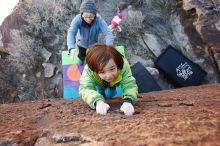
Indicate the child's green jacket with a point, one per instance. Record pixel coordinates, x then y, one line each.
89 80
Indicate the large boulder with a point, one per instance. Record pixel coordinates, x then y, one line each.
207 23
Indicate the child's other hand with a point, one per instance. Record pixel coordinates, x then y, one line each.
102 107
127 108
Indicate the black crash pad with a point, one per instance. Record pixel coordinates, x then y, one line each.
179 68
144 79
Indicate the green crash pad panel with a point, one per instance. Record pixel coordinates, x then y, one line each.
66 57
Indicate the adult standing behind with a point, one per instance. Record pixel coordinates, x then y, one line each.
85 28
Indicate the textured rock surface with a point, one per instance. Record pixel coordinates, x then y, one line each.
13 21
207 23
191 26
185 116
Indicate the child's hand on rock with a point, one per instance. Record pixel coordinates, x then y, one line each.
102 107
127 108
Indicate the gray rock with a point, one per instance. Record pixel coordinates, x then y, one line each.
1 43
178 31
61 138
134 59
153 44
38 74
25 96
48 69
46 54
154 72
7 143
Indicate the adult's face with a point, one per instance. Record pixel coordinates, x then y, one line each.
88 17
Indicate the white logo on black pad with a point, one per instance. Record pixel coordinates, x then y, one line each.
184 71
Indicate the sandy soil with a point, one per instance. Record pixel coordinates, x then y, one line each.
186 116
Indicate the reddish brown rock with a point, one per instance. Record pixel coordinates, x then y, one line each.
13 21
187 116
206 21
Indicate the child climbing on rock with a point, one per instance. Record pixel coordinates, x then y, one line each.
107 68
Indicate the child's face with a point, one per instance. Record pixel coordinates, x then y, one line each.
109 71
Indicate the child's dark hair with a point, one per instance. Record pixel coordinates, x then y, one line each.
99 55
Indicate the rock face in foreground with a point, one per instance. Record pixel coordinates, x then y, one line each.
33 36
186 116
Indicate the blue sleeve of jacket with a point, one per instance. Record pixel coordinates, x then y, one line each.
106 31
72 31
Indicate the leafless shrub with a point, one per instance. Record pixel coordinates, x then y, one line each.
24 56
8 81
161 8
49 18
136 2
157 18
132 24
47 21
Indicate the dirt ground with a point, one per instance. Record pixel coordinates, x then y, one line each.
185 116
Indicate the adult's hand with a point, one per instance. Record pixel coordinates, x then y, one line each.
72 51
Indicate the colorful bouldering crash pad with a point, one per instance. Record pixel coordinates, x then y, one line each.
72 72
71 75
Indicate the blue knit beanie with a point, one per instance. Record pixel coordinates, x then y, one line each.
88 6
